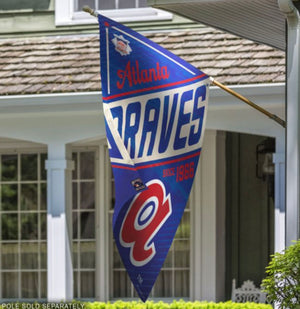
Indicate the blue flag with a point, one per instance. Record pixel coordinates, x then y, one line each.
155 109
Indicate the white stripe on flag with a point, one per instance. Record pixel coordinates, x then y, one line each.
158 51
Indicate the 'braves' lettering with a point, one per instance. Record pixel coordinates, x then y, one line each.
146 215
146 131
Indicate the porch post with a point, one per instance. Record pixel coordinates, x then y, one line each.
279 161
293 124
59 227
208 221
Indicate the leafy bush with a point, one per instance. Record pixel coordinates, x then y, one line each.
175 305
136 305
282 283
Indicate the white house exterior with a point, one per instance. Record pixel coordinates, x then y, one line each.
56 184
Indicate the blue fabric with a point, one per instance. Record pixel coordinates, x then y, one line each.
155 108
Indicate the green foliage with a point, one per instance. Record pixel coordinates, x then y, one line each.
137 305
175 305
282 283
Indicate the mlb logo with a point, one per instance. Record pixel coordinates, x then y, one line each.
121 45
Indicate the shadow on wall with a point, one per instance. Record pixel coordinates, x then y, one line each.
36 5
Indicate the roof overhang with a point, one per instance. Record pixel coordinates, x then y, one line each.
224 111
257 20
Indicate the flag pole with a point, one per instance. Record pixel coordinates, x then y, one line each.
220 85
247 101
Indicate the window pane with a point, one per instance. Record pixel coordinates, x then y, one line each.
29 256
182 283
9 285
43 284
29 197
29 166
106 4
43 166
29 228
75 225
9 256
9 197
87 195
43 224
74 195
43 254
29 284
183 230
75 275
75 159
182 253
87 255
116 257
9 226
9 167
122 284
87 225
126 4
169 259
163 284
82 3
75 255
87 165
143 3
43 205
87 285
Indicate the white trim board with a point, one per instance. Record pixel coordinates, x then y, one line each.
225 112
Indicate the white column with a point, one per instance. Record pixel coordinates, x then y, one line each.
208 218
293 133
59 227
208 221
293 123
102 223
279 161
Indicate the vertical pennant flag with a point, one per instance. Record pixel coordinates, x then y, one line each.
155 108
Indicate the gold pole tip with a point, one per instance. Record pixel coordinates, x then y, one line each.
89 10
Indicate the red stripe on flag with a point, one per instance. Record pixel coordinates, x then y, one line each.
153 88
157 164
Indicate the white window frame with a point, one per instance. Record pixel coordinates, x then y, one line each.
65 14
79 269
17 149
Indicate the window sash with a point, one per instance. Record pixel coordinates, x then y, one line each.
23 258
84 223
66 14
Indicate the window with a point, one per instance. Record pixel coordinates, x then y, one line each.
23 226
19 5
84 212
174 278
110 4
68 12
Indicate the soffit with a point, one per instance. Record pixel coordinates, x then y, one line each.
258 20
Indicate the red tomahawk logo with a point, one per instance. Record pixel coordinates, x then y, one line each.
146 214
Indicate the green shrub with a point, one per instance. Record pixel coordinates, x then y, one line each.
176 305
282 283
138 305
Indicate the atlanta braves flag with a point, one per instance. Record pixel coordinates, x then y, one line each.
155 108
